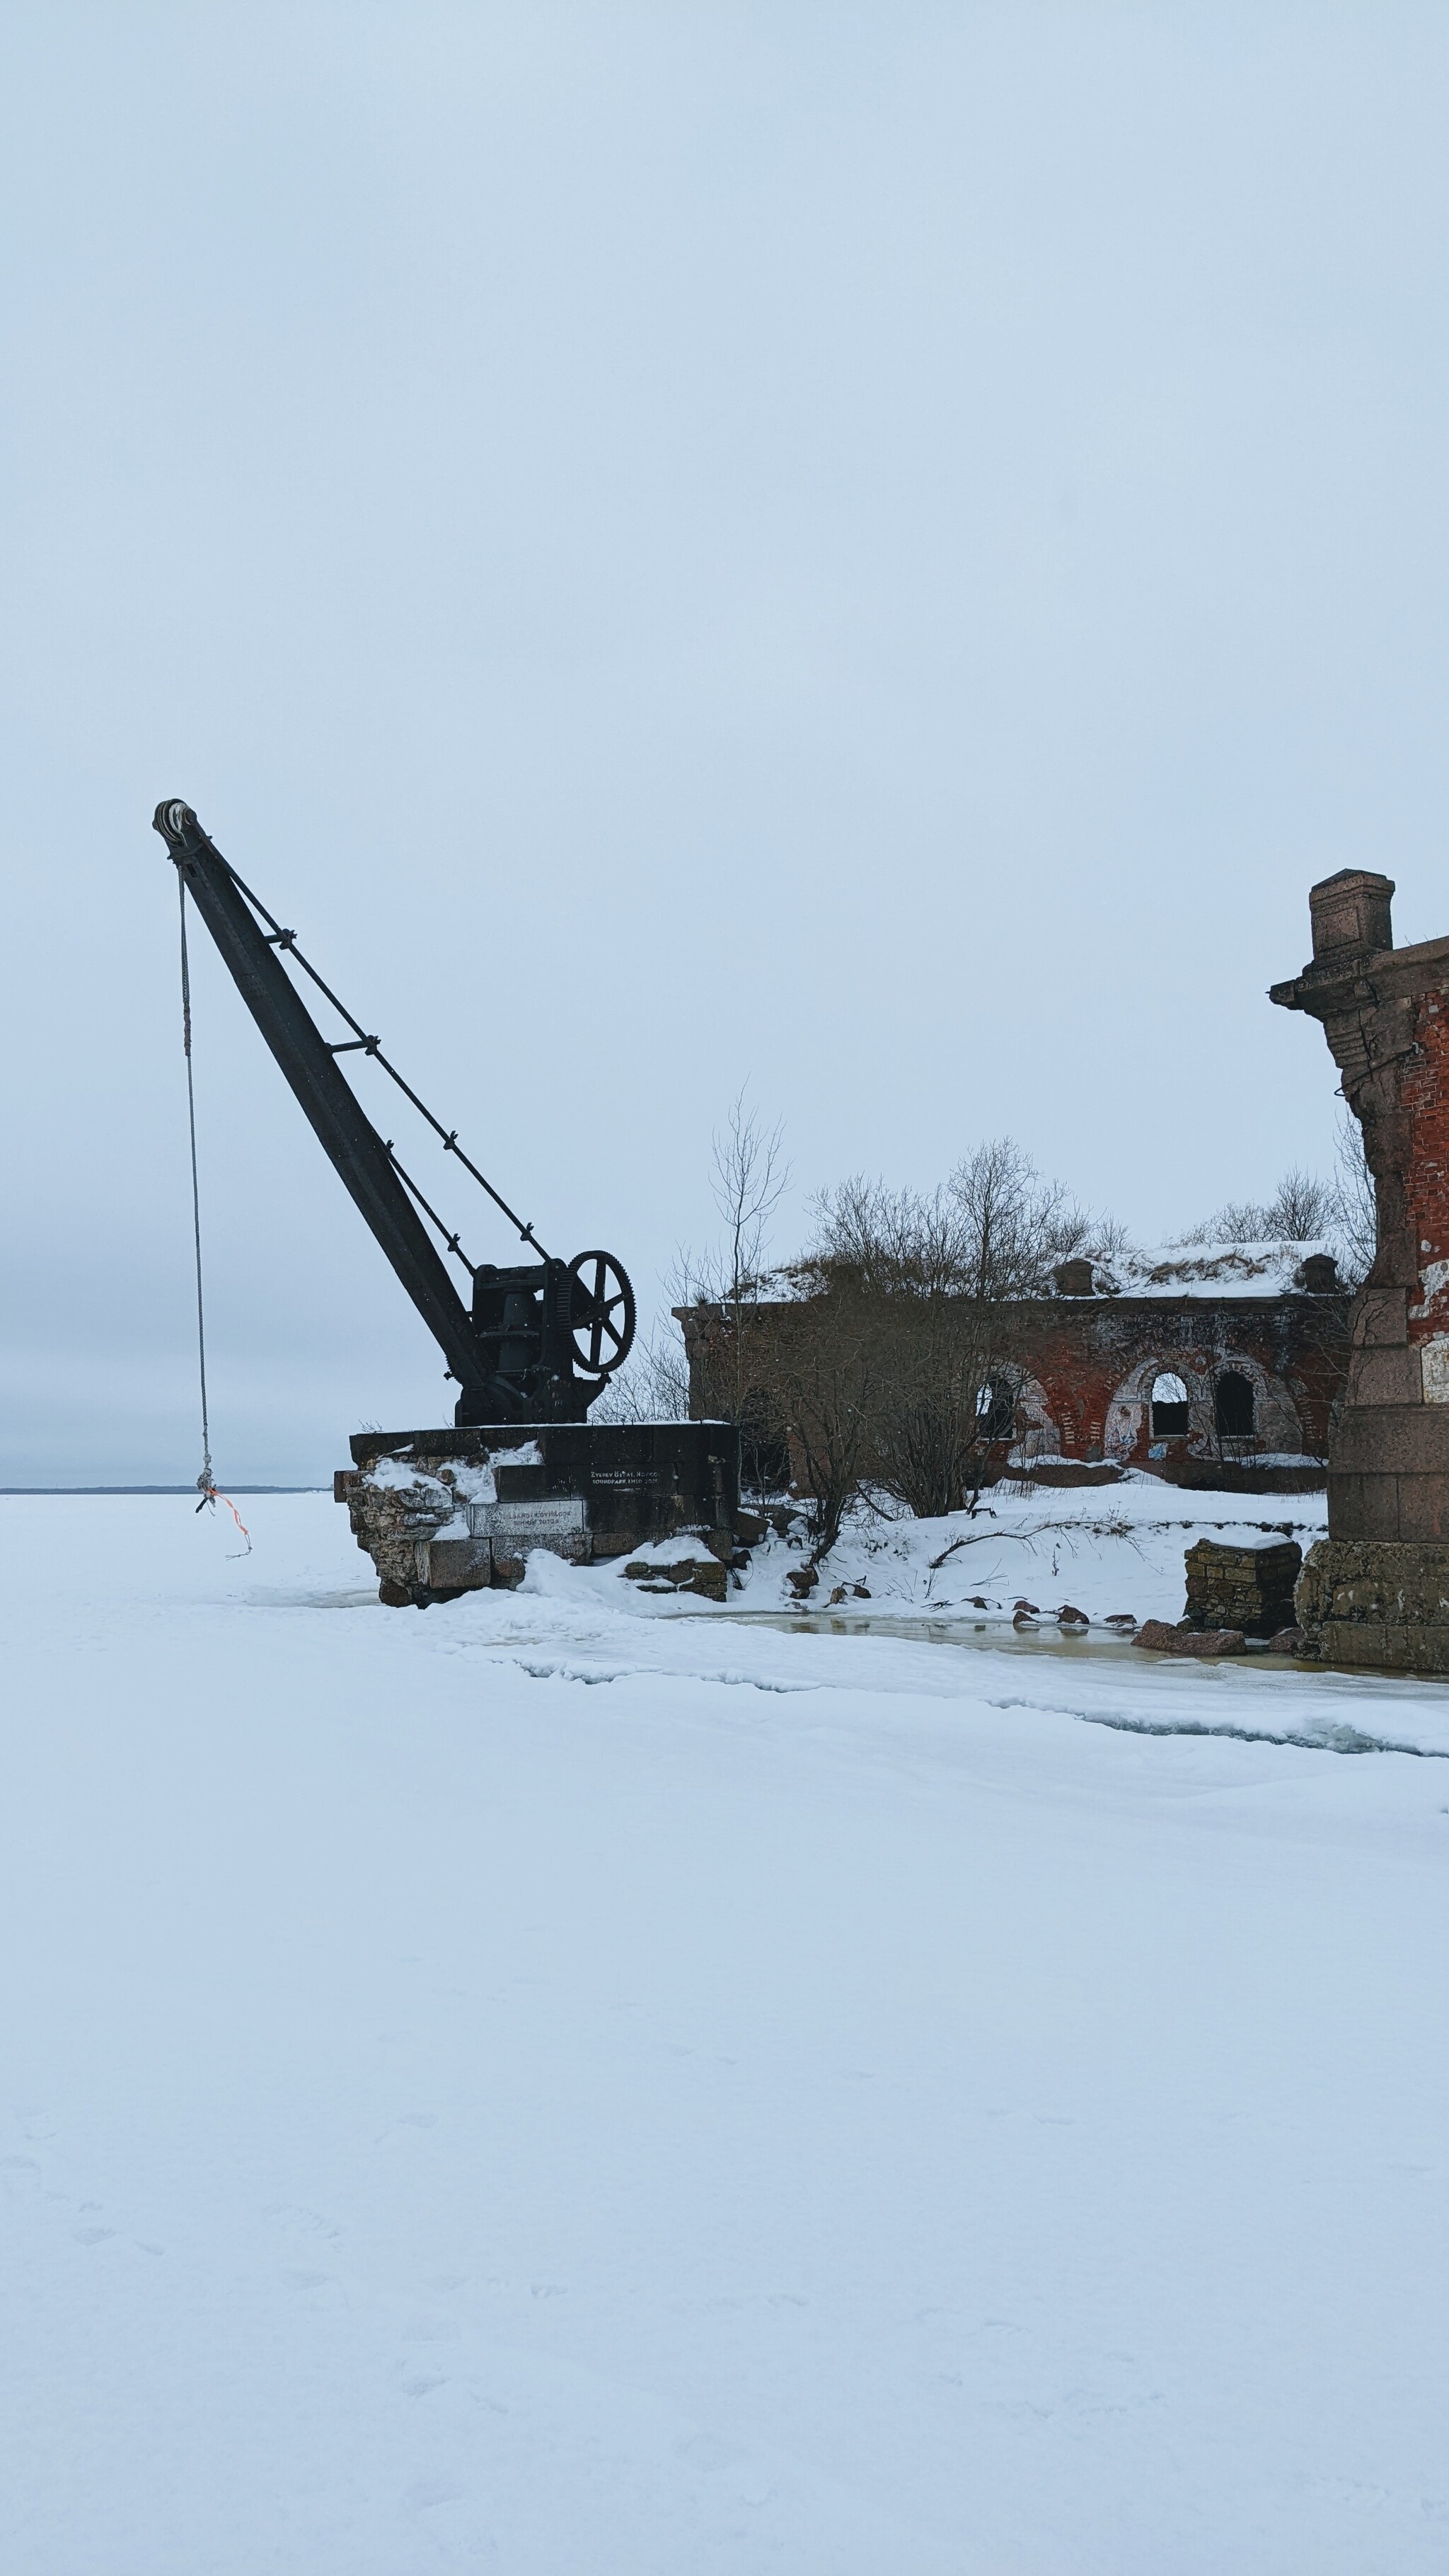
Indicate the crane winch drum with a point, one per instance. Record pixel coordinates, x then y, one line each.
530 1351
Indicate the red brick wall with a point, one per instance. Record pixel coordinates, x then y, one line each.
1079 1353
1083 1351
1424 1094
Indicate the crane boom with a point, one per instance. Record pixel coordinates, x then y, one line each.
347 1136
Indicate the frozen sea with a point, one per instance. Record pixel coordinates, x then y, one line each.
555 2083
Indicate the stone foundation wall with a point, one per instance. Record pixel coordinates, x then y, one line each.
1250 1588
1377 1603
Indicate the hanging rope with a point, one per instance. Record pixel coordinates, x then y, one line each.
205 1482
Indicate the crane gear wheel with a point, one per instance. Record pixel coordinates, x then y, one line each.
601 1312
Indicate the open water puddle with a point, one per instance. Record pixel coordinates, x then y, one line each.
1324 1734
998 1636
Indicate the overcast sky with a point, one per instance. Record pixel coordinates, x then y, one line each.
872 551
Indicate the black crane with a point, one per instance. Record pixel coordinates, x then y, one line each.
541 1338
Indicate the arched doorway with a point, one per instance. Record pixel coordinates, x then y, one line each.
1233 1411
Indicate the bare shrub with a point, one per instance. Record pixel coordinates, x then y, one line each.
885 1242
819 1370
939 1398
994 1231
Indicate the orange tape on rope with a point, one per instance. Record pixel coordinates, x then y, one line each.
213 1494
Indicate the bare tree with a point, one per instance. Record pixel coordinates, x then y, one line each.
1355 1201
1107 1239
652 1385
884 1355
993 1232
1303 1209
751 1177
1015 1223
724 1287
1241 1221
942 1273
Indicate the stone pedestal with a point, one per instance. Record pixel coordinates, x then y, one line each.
1377 1602
1250 1588
1368 1590
460 1510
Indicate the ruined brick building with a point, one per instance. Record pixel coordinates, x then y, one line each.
1188 1363
1198 1356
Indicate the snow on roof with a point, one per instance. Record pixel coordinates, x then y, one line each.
1216 1270
1208 1270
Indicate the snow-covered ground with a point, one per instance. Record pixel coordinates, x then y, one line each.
1104 1550
554 2083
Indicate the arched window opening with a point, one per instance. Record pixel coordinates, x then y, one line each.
1169 1406
996 1410
1233 1405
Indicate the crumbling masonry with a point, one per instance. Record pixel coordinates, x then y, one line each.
1376 1590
